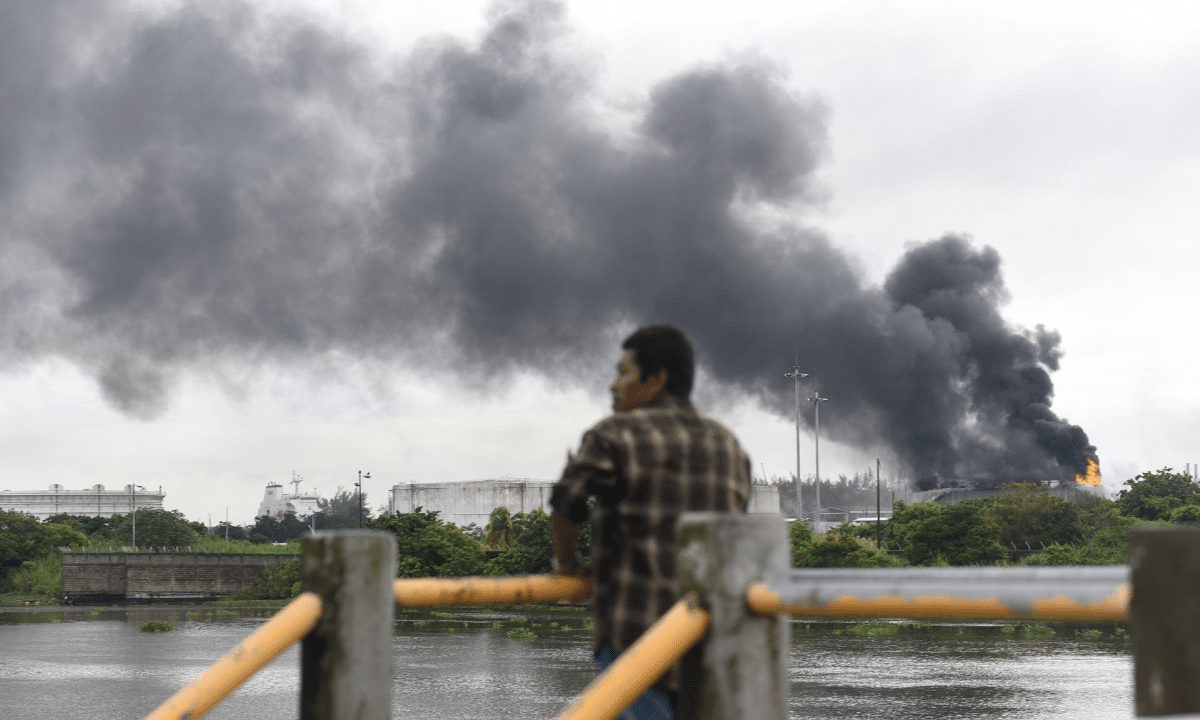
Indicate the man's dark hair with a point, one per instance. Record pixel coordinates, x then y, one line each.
663 347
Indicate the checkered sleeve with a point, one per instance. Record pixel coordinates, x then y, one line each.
594 470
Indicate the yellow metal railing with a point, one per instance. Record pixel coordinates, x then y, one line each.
446 592
1080 594
642 664
290 624
1095 595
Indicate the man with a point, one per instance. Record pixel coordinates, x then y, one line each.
652 459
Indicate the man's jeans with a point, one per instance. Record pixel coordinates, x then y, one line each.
652 705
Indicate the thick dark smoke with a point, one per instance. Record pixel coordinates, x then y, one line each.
217 185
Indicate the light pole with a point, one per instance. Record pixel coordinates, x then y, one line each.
796 375
359 486
133 511
816 400
226 522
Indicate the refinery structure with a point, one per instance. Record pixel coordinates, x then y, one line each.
276 503
95 501
472 501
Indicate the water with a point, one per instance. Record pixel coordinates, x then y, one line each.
95 663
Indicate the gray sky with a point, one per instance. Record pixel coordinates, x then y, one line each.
372 239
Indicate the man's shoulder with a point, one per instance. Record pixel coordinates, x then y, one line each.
652 417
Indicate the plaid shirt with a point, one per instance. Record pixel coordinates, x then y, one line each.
645 467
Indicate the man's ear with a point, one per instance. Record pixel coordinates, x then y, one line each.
658 381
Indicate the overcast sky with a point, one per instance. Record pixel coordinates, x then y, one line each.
238 157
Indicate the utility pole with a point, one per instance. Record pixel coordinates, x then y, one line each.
878 527
226 522
359 486
795 374
816 400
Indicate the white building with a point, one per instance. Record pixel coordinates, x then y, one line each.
472 501
93 502
276 503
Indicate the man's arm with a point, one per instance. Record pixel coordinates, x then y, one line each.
566 545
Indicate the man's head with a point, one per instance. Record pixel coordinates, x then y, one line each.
657 360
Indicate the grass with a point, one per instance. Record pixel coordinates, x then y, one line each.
45 581
205 544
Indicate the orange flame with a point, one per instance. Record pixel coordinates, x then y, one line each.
1092 477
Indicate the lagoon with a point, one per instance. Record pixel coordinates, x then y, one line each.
96 663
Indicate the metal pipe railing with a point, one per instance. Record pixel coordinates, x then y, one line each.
444 592
642 664
1095 593
290 624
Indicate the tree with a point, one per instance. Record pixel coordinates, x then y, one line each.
1106 534
341 511
23 538
531 549
842 548
1153 495
234 532
959 534
1056 555
499 534
266 529
429 547
155 528
800 537
98 528
279 582
1029 517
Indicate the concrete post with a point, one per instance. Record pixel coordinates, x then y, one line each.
346 661
739 671
1164 615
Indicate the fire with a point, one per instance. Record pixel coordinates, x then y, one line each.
1092 477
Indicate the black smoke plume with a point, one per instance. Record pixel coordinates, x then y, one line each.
217 185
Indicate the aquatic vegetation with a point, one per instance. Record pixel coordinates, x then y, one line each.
873 628
443 615
521 633
420 623
157 626
1038 631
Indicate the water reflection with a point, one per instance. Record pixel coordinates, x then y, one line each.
96 663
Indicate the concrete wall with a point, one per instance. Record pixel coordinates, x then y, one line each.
115 577
92 502
472 501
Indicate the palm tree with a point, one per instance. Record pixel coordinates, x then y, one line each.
499 534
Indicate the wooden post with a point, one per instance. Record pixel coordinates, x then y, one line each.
346 661
1164 618
739 671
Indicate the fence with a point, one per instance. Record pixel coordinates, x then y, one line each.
728 632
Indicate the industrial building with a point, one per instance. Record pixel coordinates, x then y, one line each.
1069 491
96 501
472 501
276 503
